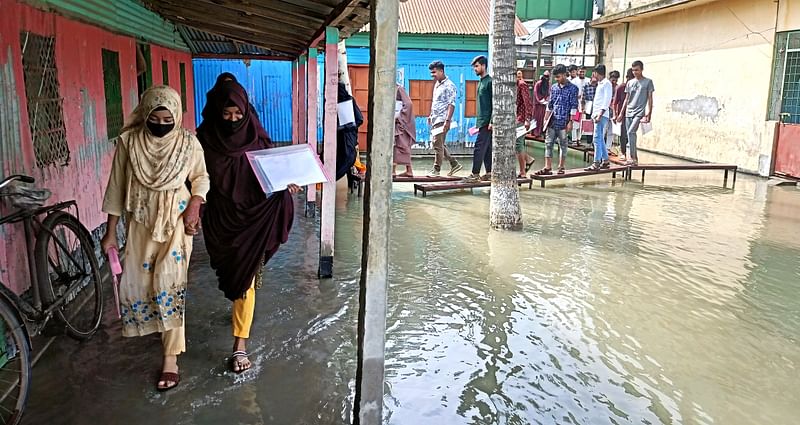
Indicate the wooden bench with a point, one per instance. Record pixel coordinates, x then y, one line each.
586 150
459 185
685 167
425 179
578 172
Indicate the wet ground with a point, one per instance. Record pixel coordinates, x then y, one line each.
671 302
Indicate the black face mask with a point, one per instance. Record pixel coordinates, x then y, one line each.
159 130
230 127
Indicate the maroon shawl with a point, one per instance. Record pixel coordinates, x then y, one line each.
243 228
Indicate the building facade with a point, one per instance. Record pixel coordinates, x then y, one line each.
726 76
70 74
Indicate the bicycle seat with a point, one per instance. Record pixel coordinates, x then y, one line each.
24 196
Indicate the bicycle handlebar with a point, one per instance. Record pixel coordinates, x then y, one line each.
20 177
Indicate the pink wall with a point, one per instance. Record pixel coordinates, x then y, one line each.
79 62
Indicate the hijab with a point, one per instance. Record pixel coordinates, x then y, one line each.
160 165
242 227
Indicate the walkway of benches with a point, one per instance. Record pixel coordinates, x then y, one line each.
626 171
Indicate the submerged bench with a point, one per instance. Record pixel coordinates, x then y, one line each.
459 185
586 150
578 172
686 167
425 179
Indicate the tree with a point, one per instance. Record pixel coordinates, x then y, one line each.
504 209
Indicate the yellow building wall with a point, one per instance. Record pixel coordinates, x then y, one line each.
788 15
711 67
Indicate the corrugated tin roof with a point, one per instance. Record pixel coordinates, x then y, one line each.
567 26
127 17
462 17
203 43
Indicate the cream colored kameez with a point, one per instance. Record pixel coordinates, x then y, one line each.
147 187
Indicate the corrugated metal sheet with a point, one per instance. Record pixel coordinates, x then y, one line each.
413 65
127 17
555 9
206 43
268 83
465 17
10 144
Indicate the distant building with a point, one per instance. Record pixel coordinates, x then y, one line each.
725 77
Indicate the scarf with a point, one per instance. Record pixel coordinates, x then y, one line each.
160 165
242 227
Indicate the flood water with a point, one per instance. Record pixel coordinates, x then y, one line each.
676 301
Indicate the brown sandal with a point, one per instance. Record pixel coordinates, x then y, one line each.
168 377
543 172
561 170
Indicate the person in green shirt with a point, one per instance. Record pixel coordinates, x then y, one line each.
483 145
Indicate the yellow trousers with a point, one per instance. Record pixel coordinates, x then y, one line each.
243 310
174 341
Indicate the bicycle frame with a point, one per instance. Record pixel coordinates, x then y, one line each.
30 218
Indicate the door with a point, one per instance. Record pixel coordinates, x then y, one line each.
359 82
787 151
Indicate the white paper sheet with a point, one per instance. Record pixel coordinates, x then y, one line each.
521 131
277 168
398 106
616 128
647 127
439 130
346 113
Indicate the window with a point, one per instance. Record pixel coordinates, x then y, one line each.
113 92
421 94
165 72
144 68
183 85
45 105
471 108
785 94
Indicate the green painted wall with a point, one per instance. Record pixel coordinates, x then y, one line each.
555 9
478 43
127 17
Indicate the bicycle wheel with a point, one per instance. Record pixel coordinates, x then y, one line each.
67 268
15 366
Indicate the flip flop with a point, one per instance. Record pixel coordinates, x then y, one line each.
168 377
239 354
528 165
561 171
543 172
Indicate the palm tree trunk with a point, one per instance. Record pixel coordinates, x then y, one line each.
504 208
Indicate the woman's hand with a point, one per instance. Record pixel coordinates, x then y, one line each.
109 240
293 188
191 216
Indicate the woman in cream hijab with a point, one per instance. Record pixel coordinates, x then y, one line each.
154 159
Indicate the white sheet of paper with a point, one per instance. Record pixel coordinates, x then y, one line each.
439 130
346 113
521 131
647 127
398 106
616 128
277 168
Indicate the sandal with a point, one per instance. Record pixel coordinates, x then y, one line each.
168 378
543 172
405 175
528 165
236 360
561 170
521 176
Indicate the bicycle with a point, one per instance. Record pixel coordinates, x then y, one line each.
65 279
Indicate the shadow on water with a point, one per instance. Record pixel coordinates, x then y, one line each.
664 303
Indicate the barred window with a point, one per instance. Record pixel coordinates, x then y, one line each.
45 105
165 72
183 85
113 92
785 94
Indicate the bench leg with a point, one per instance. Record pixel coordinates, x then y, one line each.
642 176
360 188
733 185
541 182
725 180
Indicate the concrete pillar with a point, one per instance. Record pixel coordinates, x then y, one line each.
295 103
377 202
303 109
327 210
312 125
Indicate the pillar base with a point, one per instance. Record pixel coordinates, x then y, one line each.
325 267
311 209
